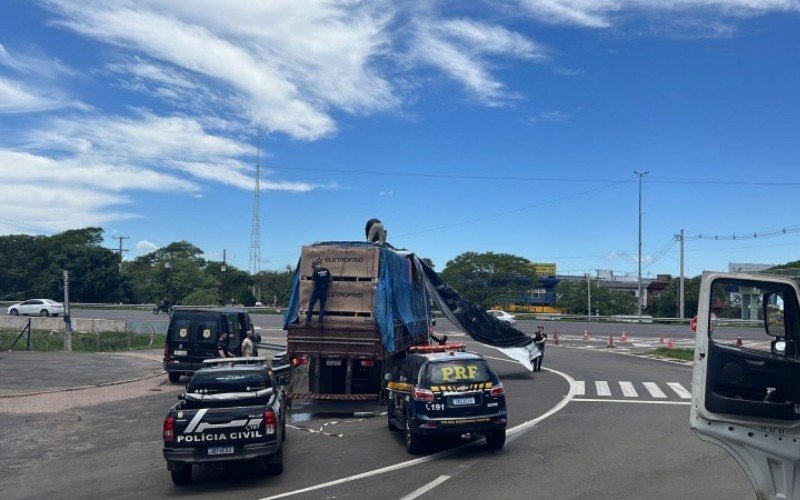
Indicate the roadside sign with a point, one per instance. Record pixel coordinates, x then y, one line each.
693 324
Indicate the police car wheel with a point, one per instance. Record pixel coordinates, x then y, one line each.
174 377
413 441
183 476
495 440
273 465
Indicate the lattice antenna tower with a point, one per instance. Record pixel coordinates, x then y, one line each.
255 232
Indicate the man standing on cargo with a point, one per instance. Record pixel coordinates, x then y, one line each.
321 277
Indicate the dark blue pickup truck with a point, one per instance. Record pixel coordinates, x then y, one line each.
233 410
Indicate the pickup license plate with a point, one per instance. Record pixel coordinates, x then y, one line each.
333 362
220 450
179 352
463 401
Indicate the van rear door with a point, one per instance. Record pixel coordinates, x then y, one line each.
745 384
194 332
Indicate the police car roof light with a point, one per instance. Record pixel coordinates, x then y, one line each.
439 348
258 360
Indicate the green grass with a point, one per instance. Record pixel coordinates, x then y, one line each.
82 341
682 354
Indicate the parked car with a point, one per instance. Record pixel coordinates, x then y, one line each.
39 307
503 316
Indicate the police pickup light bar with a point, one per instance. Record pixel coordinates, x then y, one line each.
439 348
258 360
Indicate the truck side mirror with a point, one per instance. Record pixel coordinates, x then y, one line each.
774 319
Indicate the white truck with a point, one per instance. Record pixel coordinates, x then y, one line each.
746 396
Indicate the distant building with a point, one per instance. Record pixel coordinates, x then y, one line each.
745 267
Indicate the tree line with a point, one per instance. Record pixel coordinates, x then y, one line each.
31 267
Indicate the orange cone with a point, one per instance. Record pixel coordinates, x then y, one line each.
624 337
661 339
739 341
670 345
610 341
555 338
586 335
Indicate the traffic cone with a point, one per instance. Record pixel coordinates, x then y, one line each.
661 339
739 341
624 337
610 341
670 345
586 335
555 338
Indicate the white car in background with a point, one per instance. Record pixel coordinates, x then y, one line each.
503 316
38 307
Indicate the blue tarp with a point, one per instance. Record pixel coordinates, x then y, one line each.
401 296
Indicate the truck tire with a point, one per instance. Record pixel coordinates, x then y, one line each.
182 476
273 465
389 413
174 377
495 440
414 444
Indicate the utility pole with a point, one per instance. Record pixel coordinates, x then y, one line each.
121 250
681 305
67 319
223 269
639 297
589 295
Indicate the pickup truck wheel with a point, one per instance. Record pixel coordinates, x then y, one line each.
183 476
389 412
174 377
495 440
414 443
273 465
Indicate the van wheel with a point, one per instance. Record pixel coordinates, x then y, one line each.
174 377
495 440
414 443
183 476
389 412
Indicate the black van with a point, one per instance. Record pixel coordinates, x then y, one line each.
193 334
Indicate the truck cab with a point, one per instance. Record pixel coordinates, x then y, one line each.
746 378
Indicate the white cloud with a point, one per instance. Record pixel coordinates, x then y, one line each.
459 47
147 246
554 116
284 63
16 97
604 13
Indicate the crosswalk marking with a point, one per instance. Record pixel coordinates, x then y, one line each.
654 390
580 388
602 388
680 390
627 390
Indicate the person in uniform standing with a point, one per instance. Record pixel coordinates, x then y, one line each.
322 278
540 339
222 346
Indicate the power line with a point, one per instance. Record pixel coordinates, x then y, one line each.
400 173
771 233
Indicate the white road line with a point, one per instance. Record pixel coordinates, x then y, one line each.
642 345
445 453
602 388
654 390
628 390
680 390
421 491
580 388
635 401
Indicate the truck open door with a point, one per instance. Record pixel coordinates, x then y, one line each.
746 395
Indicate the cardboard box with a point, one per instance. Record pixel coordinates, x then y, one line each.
354 298
359 262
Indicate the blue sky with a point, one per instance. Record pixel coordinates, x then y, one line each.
508 126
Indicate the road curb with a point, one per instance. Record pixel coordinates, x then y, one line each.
82 387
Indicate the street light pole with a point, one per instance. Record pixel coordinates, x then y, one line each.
168 265
639 297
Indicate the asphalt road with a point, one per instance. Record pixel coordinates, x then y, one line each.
618 447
